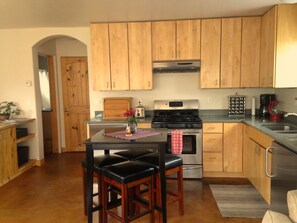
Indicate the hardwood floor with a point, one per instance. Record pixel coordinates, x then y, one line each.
53 194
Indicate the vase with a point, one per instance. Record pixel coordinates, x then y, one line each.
133 127
3 117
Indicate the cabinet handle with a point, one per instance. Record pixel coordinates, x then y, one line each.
113 84
107 84
266 162
149 84
216 83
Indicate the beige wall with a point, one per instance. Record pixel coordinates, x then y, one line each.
18 64
286 97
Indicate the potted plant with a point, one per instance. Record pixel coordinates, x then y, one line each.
132 121
7 109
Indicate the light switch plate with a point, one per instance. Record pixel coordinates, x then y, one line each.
28 83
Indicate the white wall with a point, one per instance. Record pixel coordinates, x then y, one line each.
18 64
286 97
180 86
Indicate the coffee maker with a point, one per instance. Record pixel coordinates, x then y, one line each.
264 102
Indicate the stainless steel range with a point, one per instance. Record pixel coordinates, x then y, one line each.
182 115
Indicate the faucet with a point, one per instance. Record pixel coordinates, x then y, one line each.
289 113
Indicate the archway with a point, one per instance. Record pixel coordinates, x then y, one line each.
54 47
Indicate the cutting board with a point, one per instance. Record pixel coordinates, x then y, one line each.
114 108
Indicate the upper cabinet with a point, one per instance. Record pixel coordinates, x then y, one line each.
210 53
250 51
176 40
140 55
278 47
121 56
231 52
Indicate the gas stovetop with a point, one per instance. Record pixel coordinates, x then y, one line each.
176 114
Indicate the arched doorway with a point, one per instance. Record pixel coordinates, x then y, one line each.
54 129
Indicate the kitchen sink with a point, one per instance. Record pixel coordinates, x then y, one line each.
281 128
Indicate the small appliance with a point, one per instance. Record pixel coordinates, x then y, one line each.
264 104
275 113
139 111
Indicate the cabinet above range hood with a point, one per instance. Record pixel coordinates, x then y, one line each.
178 66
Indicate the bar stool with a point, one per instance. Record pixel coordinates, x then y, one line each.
127 176
99 162
133 154
173 165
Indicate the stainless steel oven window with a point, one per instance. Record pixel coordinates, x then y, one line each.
189 144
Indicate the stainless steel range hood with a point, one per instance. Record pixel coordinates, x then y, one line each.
181 66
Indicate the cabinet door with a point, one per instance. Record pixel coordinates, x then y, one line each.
140 55
286 52
210 53
268 46
232 147
100 56
230 53
188 39
245 151
118 38
164 40
250 51
212 161
8 154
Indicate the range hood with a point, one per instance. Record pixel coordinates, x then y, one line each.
181 66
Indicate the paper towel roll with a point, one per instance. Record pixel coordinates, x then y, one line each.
253 106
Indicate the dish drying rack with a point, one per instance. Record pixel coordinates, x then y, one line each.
236 105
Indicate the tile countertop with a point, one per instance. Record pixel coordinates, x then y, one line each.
288 140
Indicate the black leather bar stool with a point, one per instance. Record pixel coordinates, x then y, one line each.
173 165
99 162
133 154
126 177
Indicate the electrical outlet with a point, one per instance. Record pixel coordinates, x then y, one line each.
139 101
209 100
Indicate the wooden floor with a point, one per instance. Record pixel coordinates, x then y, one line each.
53 194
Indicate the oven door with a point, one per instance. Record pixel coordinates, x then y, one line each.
192 147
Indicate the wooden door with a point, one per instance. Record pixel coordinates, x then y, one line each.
231 53
232 147
188 39
164 40
76 101
100 56
54 112
268 47
210 53
118 37
250 51
140 55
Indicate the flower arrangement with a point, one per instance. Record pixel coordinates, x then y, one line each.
130 114
9 108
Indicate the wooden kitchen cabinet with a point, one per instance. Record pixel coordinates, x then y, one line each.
118 45
212 144
255 160
122 56
140 55
232 147
100 56
230 53
188 39
278 47
176 40
8 155
164 40
210 53
250 51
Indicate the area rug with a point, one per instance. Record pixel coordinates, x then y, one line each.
241 201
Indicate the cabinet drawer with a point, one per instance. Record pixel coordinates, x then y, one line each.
213 127
212 161
212 142
259 137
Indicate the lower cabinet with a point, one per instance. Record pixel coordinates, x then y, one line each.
255 144
222 149
8 155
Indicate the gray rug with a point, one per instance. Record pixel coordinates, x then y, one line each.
242 201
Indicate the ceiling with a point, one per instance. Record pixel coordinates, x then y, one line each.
79 13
